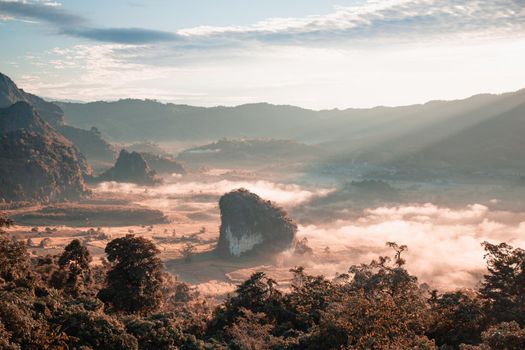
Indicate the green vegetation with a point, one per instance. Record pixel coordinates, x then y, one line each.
134 281
128 302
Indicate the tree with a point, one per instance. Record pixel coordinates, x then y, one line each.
75 256
381 307
23 301
5 342
363 321
457 318
5 222
133 284
25 318
93 329
258 294
308 298
74 275
15 265
187 252
503 288
251 331
504 336
157 332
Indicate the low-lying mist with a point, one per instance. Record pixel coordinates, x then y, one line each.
284 194
444 244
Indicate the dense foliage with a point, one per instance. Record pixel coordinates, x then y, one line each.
135 279
128 302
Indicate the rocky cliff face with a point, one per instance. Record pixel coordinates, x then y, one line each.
36 163
251 225
130 167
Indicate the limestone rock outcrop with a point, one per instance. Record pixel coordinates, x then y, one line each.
130 167
36 162
251 225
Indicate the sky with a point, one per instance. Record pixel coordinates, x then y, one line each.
318 54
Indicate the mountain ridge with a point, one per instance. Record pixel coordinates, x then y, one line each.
36 162
90 144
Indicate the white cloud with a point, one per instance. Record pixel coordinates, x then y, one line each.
370 20
380 53
444 245
379 19
50 3
305 76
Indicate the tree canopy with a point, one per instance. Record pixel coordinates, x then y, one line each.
62 302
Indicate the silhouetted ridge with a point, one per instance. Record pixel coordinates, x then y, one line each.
130 167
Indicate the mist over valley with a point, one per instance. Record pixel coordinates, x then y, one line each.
262 175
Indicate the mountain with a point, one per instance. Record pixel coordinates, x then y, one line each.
247 152
387 136
10 93
400 132
136 120
433 134
89 142
130 167
496 143
478 135
163 164
36 163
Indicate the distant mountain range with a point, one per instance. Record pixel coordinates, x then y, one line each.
251 152
139 120
483 131
478 134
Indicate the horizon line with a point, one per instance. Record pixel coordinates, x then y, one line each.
166 102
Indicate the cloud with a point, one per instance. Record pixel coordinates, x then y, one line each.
41 12
123 35
393 19
380 19
378 53
305 76
444 245
74 25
